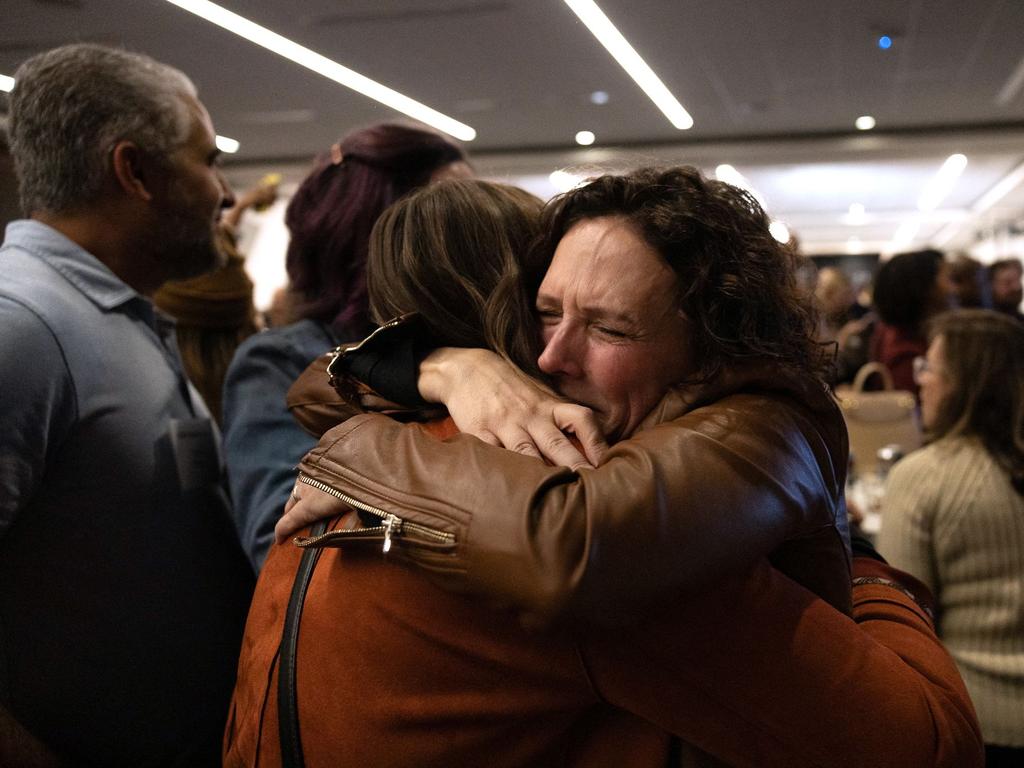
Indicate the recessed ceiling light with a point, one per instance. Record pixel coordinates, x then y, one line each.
779 231
332 70
229 146
599 97
864 123
6 83
624 53
585 138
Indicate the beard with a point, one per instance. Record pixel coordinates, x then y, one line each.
186 244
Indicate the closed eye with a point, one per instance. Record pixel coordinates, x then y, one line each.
548 316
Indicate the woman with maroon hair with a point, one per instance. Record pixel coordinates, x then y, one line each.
330 219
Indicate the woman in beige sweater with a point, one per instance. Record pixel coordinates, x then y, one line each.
953 513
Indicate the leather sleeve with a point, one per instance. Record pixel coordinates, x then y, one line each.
676 507
760 673
314 403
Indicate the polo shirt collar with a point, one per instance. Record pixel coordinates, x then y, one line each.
79 267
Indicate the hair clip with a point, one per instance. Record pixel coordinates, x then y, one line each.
336 154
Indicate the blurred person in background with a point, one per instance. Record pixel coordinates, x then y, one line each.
836 302
953 512
1007 292
214 313
330 218
909 289
833 293
969 281
124 587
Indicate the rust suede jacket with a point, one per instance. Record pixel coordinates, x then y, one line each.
394 671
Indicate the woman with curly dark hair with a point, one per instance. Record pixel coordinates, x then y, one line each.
736 284
953 512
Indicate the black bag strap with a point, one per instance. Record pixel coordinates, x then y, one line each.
287 693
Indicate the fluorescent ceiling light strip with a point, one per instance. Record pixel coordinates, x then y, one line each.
6 83
942 183
906 232
332 70
1001 189
1011 86
997 192
946 234
620 49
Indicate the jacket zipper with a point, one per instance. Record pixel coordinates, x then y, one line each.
392 526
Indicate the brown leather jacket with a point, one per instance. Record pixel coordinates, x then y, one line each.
714 479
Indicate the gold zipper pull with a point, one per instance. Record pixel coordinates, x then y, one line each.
392 525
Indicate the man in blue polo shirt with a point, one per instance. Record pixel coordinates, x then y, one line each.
124 590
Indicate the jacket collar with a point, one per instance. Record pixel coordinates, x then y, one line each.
748 378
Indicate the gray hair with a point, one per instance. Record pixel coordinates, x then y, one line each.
70 106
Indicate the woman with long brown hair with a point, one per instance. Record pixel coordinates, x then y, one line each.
953 513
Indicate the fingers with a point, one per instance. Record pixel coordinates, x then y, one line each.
313 505
582 423
295 517
488 437
557 448
293 497
520 441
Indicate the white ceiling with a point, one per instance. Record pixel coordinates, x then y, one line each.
773 87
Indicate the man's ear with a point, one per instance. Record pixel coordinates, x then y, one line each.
133 171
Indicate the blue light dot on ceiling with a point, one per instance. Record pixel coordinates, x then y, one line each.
885 42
